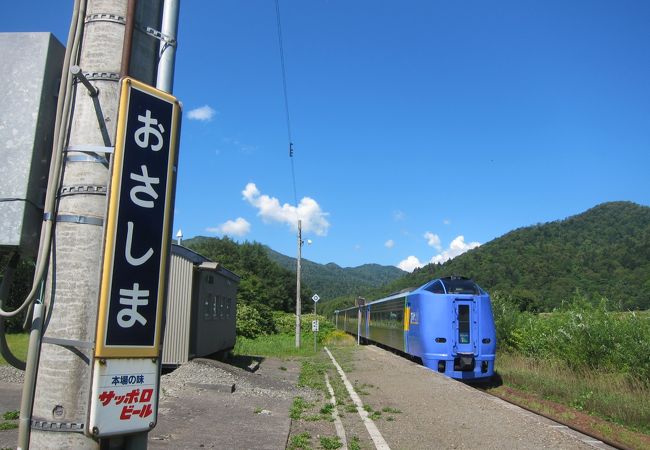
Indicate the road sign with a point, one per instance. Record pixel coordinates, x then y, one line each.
139 215
314 325
124 393
315 298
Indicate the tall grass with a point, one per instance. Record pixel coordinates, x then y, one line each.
582 335
615 396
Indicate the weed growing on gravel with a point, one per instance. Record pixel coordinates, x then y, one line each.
354 443
312 375
388 409
360 388
351 408
327 409
11 415
330 443
300 441
313 418
298 406
372 414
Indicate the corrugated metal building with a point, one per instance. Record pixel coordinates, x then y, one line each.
201 308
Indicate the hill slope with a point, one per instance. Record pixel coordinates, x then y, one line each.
603 252
331 280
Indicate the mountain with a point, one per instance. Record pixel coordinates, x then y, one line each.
603 252
331 280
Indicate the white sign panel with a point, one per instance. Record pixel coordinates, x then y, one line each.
124 396
315 298
314 325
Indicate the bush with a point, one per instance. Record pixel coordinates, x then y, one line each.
249 322
284 322
507 319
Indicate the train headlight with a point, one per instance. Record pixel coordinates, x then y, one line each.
484 366
441 340
486 340
441 366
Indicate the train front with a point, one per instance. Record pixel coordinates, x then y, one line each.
457 333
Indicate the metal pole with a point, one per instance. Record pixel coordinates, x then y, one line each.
315 332
169 29
298 284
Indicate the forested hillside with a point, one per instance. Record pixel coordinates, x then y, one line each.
331 280
603 252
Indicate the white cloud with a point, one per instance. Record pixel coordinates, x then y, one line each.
433 240
398 216
204 113
410 264
389 243
238 227
446 222
457 247
269 209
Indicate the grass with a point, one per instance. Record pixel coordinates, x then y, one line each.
9 420
330 443
274 345
298 406
11 415
300 441
616 397
18 344
354 443
8 426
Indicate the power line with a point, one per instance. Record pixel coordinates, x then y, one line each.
286 102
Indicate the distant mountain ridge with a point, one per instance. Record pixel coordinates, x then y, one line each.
602 252
331 280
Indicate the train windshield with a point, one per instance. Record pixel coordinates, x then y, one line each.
460 286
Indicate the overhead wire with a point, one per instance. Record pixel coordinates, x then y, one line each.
286 102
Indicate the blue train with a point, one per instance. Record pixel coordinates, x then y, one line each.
446 323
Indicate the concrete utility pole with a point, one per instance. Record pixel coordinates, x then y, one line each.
298 284
63 383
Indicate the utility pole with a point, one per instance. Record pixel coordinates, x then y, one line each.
298 284
72 287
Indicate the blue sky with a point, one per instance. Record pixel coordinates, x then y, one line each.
420 128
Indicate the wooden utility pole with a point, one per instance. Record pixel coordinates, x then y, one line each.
298 284
72 287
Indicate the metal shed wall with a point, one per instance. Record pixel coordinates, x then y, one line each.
176 343
215 311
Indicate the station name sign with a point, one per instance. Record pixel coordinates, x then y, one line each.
137 233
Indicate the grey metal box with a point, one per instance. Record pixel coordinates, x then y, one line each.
30 69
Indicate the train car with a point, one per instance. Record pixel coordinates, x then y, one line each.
447 323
